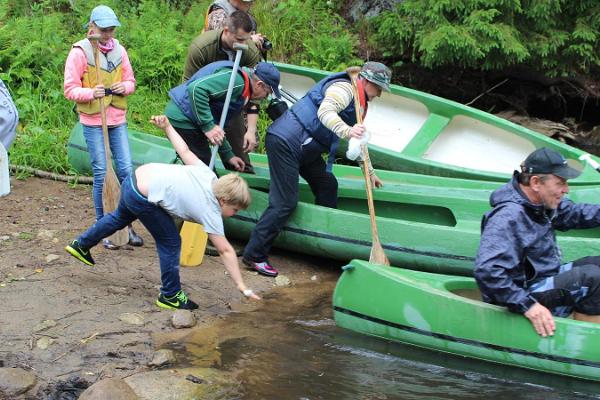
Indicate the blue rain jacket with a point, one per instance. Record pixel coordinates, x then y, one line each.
518 244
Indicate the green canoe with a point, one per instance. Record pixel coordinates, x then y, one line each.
425 222
445 313
416 132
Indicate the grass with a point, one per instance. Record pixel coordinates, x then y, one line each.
35 38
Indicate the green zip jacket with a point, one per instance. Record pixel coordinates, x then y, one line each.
201 91
206 48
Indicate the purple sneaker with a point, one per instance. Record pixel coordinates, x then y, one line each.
262 268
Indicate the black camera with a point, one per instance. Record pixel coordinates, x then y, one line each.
267 45
276 109
108 92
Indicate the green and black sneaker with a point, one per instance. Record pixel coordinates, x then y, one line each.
79 253
179 301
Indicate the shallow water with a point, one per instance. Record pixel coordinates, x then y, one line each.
290 348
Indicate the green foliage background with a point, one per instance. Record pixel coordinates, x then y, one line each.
555 37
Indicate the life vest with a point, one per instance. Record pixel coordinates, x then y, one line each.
111 71
228 8
181 98
306 109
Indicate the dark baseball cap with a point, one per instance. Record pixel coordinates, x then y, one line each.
267 73
547 161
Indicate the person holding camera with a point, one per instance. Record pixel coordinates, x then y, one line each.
217 45
220 10
116 83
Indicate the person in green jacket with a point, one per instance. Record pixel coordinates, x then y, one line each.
195 107
217 45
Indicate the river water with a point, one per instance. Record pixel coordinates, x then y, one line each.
288 347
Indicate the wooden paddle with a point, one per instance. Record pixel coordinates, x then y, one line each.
377 254
111 189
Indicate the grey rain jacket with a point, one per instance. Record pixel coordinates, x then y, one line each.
518 245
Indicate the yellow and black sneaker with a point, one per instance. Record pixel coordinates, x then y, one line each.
179 301
79 253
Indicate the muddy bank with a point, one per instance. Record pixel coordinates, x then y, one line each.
70 325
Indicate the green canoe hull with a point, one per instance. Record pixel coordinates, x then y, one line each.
420 133
425 222
433 311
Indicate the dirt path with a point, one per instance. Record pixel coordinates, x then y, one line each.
63 320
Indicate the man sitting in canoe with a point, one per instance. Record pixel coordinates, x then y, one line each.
519 264
295 144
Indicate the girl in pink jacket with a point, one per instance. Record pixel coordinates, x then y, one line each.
116 82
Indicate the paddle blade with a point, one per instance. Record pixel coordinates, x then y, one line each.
193 244
111 192
378 255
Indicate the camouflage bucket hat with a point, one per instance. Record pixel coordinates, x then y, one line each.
377 73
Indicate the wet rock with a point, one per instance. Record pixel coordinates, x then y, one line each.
282 280
44 342
183 319
112 388
132 318
162 357
15 381
172 384
51 257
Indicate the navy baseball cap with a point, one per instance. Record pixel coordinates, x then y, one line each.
267 73
547 161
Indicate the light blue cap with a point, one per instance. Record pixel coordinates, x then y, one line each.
104 17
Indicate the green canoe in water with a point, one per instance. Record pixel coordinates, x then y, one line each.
412 131
425 222
445 313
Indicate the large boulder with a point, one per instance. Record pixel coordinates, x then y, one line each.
183 384
358 9
112 388
15 381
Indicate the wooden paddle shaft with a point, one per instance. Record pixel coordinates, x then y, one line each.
377 253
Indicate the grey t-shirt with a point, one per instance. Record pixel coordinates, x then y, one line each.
185 191
9 117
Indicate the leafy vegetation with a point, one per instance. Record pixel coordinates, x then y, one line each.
556 37
36 36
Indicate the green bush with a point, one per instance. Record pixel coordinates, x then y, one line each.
36 36
557 37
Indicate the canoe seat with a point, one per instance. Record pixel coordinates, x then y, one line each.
464 288
473 294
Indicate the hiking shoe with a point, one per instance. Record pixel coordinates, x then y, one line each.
135 239
109 245
80 253
179 301
263 268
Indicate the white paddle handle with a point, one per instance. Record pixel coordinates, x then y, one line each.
236 64
593 163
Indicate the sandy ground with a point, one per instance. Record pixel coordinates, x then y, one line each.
67 322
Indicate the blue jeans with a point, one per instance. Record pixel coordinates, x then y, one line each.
285 167
119 147
159 223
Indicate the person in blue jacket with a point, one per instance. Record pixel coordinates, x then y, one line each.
295 144
519 264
